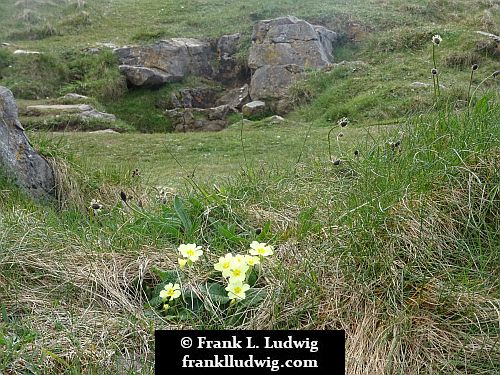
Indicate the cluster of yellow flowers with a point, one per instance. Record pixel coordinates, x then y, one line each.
190 253
235 269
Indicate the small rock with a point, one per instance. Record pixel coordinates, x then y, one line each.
94 114
24 52
424 85
254 108
275 120
104 131
73 96
107 45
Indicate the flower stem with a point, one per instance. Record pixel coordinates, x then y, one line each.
330 143
480 84
435 67
469 100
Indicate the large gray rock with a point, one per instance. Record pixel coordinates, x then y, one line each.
171 60
273 81
18 159
167 61
281 50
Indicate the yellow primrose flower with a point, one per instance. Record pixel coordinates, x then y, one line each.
238 261
190 251
252 260
182 262
171 291
224 265
261 249
238 273
236 290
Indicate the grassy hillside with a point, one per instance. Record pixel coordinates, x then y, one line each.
388 228
388 39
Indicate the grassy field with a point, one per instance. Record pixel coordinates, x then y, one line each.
388 228
168 159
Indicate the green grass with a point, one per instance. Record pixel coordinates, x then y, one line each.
209 156
393 48
368 246
398 244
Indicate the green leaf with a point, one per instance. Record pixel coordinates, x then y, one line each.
192 301
183 215
252 277
185 314
5 317
229 234
168 276
215 292
156 302
482 106
254 297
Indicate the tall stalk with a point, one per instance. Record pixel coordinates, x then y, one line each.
435 67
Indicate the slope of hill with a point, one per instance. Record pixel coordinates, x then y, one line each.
387 228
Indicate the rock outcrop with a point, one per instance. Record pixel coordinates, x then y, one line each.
281 50
167 61
171 60
18 159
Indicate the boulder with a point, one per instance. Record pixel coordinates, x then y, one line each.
273 81
18 159
167 61
235 98
281 50
254 108
84 111
199 119
149 77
